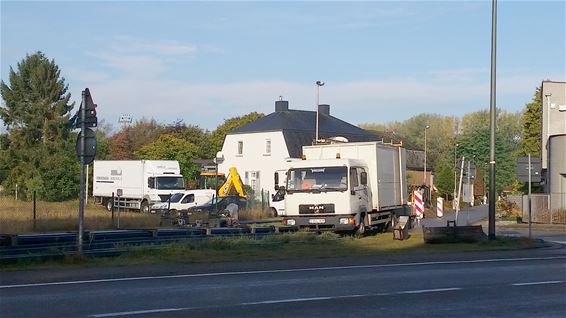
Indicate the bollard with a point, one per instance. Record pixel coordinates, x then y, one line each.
34 215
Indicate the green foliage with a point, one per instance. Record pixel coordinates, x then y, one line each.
39 145
444 179
170 147
531 127
475 147
217 137
195 135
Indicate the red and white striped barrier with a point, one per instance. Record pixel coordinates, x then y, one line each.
439 207
419 204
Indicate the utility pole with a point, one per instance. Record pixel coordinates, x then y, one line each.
492 109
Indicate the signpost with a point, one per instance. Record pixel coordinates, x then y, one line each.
86 150
528 170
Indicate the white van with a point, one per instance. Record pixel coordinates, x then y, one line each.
184 200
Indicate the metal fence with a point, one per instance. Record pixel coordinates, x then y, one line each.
540 209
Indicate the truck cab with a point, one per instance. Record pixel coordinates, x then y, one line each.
328 194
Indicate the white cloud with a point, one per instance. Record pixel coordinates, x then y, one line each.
207 105
135 45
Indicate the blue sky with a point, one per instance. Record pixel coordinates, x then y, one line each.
204 62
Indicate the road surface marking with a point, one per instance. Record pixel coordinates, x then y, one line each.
275 301
277 271
422 291
539 283
140 312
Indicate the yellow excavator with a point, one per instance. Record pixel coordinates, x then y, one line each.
233 185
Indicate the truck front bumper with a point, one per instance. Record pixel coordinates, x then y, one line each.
337 223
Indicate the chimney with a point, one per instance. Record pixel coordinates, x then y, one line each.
324 109
281 106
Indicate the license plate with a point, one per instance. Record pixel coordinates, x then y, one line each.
317 221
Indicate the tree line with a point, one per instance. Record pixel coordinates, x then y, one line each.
37 152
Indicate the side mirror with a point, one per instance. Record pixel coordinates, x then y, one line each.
276 188
282 188
364 178
276 180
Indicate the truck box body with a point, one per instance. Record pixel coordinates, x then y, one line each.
386 164
346 187
139 180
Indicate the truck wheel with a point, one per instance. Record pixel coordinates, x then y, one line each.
273 213
144 207
109 205
361 230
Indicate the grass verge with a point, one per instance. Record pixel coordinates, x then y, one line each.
299 245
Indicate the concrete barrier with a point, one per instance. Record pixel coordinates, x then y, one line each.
449 234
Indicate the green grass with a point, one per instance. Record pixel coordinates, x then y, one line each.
299 245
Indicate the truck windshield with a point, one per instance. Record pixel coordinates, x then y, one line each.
170 183
317 179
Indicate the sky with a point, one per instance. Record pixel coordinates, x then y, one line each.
204 62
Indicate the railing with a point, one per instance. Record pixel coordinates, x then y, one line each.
113 242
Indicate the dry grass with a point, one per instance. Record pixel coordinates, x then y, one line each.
16 217
254 214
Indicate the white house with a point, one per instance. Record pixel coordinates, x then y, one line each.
262 147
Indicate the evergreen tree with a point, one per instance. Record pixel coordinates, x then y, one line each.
40 144
531 139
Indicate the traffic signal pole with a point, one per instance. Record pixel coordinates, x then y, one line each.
82 182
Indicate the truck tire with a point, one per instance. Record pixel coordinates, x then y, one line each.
144 207
109 205
272 213
361 230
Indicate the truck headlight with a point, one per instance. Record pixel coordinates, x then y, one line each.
344 221
290 222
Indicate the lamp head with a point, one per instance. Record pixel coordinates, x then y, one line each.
320 83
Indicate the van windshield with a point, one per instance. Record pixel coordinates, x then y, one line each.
170 183
176 197
317 179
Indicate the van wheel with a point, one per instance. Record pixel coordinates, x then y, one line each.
109 205
144 207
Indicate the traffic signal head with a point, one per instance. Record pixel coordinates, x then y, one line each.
89 118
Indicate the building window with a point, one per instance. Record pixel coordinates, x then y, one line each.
268 146
240 148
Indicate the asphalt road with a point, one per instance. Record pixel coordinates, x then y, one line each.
524 283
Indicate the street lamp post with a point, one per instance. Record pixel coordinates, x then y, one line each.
424 175
455 163
318 85
492 122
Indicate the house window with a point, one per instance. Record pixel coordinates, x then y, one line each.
252 179
240 148
268 146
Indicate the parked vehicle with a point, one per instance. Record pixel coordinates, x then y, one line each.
215 208
277 200
137 183
183 201
347 187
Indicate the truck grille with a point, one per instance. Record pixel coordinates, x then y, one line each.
316 208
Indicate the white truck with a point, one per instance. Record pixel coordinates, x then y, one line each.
137 183
347 187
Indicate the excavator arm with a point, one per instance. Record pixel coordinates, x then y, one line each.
232 184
